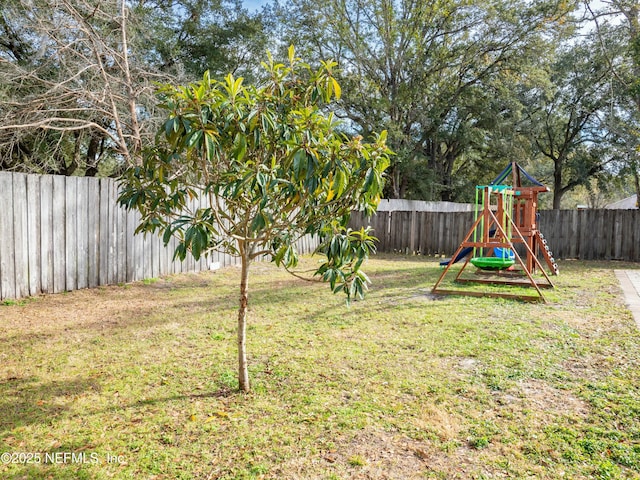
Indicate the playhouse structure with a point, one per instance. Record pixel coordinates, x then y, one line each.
504 242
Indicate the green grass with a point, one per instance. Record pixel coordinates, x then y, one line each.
402 385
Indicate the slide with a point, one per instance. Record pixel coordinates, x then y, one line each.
463 253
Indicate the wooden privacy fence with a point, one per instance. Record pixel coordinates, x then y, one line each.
65 233
580 234
593 234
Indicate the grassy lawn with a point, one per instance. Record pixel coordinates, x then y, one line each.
138 381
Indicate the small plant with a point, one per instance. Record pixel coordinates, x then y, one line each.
357 461
479 442
607 470
10 302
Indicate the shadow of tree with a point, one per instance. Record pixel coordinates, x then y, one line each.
27 401
222 392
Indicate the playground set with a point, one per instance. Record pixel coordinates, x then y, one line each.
504 242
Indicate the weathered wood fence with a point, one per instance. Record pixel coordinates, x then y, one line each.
580 234
65 233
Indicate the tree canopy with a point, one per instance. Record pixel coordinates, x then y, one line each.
78 76
461 87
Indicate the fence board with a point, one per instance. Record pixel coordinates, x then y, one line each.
572 252
138 251
442 234
427 234
59 223
165 258
93 233
618 227
583 228
122 216
636 236
147 268
83 232
7 257
71 234
626 242
603 235
46 233
103 232
20 232
33 235
112 253
155 256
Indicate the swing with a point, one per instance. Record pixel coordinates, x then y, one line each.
492 263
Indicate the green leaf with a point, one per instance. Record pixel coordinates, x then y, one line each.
168 233
340 182
292 53
258 223
194 138
240 144
170 127
299 161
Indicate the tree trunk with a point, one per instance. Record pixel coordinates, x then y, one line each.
557 183
243 372
636 179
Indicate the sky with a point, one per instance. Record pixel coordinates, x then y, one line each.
253 5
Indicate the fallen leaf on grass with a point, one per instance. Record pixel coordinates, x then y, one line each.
216 415
420 453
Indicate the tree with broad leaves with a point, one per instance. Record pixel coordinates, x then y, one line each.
273 167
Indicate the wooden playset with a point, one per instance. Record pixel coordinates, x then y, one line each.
504 242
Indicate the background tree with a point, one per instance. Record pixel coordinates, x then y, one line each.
425 71
199 35
273 166
617 26
78 75
566 118
80 82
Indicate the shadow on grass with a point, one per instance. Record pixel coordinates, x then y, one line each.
222 392
49 471
28 401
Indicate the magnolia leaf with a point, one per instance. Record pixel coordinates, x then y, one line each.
336 88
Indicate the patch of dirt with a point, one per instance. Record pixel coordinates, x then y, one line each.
377 454
100 307
421 295
549 402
